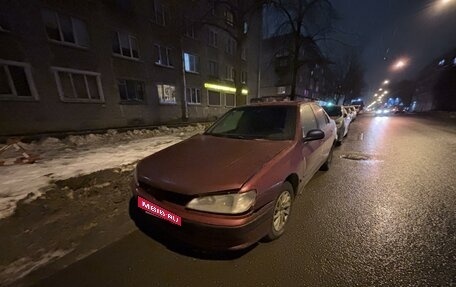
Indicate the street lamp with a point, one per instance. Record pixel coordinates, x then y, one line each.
380 89
445 2
386 82
400 64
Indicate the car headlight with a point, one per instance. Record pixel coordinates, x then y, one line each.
234 203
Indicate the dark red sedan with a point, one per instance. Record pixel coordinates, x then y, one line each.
235 184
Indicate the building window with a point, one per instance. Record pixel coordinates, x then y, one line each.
163 56
78 86
213 69
189 29
191 63
281 90
65 29
229 73
131 91
230 46
229 18
194 96
166 94
244 77
124 44
230 100
16 81
160 14
214 98
213 38
442 62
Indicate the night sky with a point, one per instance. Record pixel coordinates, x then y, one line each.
385 30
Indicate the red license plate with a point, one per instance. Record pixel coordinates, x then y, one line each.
158 211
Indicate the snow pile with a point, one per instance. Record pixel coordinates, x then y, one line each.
77 155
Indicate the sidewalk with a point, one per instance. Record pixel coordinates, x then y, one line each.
78 155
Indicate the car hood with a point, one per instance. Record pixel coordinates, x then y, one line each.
204 164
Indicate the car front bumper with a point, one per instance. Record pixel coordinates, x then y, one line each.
205 230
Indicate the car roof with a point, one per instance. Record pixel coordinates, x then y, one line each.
282 103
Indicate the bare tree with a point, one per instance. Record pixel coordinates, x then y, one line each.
306 22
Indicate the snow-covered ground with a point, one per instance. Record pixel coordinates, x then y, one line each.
78 155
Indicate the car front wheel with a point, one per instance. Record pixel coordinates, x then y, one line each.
281 213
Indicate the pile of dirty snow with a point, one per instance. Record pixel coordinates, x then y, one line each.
76 155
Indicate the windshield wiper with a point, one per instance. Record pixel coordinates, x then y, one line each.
233 136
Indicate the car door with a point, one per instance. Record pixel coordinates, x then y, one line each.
309 150
325 125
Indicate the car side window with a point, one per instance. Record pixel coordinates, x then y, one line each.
308 121
322 120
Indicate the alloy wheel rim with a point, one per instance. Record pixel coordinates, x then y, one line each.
282 210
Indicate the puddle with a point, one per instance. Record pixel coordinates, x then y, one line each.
356 156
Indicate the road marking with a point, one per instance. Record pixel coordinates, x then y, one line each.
361 136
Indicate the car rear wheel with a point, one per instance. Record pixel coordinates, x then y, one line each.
281 213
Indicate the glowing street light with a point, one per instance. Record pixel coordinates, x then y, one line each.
401 63
386 82
438 7
380 89
445 2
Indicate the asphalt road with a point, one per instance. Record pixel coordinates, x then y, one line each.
384 215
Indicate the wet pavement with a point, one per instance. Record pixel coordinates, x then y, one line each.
384 215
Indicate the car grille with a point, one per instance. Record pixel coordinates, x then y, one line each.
164 195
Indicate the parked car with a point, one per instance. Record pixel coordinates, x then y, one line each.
353 113
340 116
350 113
234 184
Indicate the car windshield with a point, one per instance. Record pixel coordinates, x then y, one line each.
257 122
333 111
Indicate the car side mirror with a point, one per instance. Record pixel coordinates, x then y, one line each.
313 135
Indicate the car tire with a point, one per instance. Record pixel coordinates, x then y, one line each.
281 212
327 164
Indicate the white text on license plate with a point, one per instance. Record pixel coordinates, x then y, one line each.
159 212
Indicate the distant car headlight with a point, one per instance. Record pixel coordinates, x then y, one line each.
385 111
234 203
378 111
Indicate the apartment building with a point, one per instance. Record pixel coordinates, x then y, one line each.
276 70
87 64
